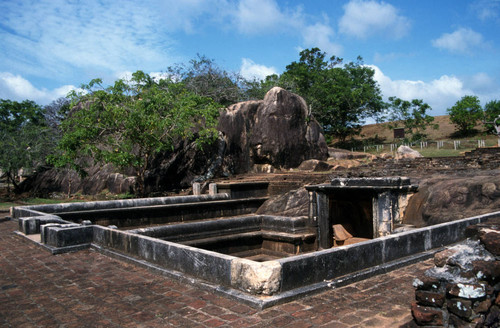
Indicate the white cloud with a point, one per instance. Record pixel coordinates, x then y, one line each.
254 17
366 18
257 16
320 35
250 70
440 94
486 9
15 87
483 85
55 37
461 41
186 15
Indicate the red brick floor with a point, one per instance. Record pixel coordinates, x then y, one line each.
89 289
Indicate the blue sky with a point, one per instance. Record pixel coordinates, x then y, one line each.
435 50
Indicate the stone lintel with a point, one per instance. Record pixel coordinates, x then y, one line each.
328 188
385 181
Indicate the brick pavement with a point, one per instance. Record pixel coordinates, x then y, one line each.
89 289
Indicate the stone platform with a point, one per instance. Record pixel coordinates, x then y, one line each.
89 289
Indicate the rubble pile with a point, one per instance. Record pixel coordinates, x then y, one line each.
462 290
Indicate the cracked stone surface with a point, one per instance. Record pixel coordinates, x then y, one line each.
89 289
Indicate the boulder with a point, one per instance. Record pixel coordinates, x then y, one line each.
386 156
277 131
445 198
176 169
342 154
48 180
314 165
407 152
292 203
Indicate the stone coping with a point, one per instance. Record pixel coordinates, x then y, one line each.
184 208
113 204
244 184
371 181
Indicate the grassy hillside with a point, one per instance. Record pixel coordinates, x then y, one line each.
445 131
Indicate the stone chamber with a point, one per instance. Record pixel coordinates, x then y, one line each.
354 230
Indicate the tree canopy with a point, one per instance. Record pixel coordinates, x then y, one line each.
465 114
205 78
412 116
129 122
25 139
491 112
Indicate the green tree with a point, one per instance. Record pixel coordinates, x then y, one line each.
205 78
256 90
25 139
491 112
56 111
339 96
128 123
465 114
412 116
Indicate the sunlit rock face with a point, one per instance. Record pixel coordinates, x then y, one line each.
277 131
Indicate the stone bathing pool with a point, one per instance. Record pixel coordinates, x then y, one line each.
218 242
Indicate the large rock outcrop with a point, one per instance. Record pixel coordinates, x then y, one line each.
170 171
276 131
444 198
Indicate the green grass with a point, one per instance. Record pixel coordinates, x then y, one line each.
6 204
432 151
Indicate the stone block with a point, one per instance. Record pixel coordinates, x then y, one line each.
404 244
493 317
196 189
327 265
491 241
427 298
445 234
482 306
62 235
487 270
428 316
457 322
212 189
427 283
467 291
256 278
441 258
461 307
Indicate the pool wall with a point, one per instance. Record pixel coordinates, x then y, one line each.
311 271
134 212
